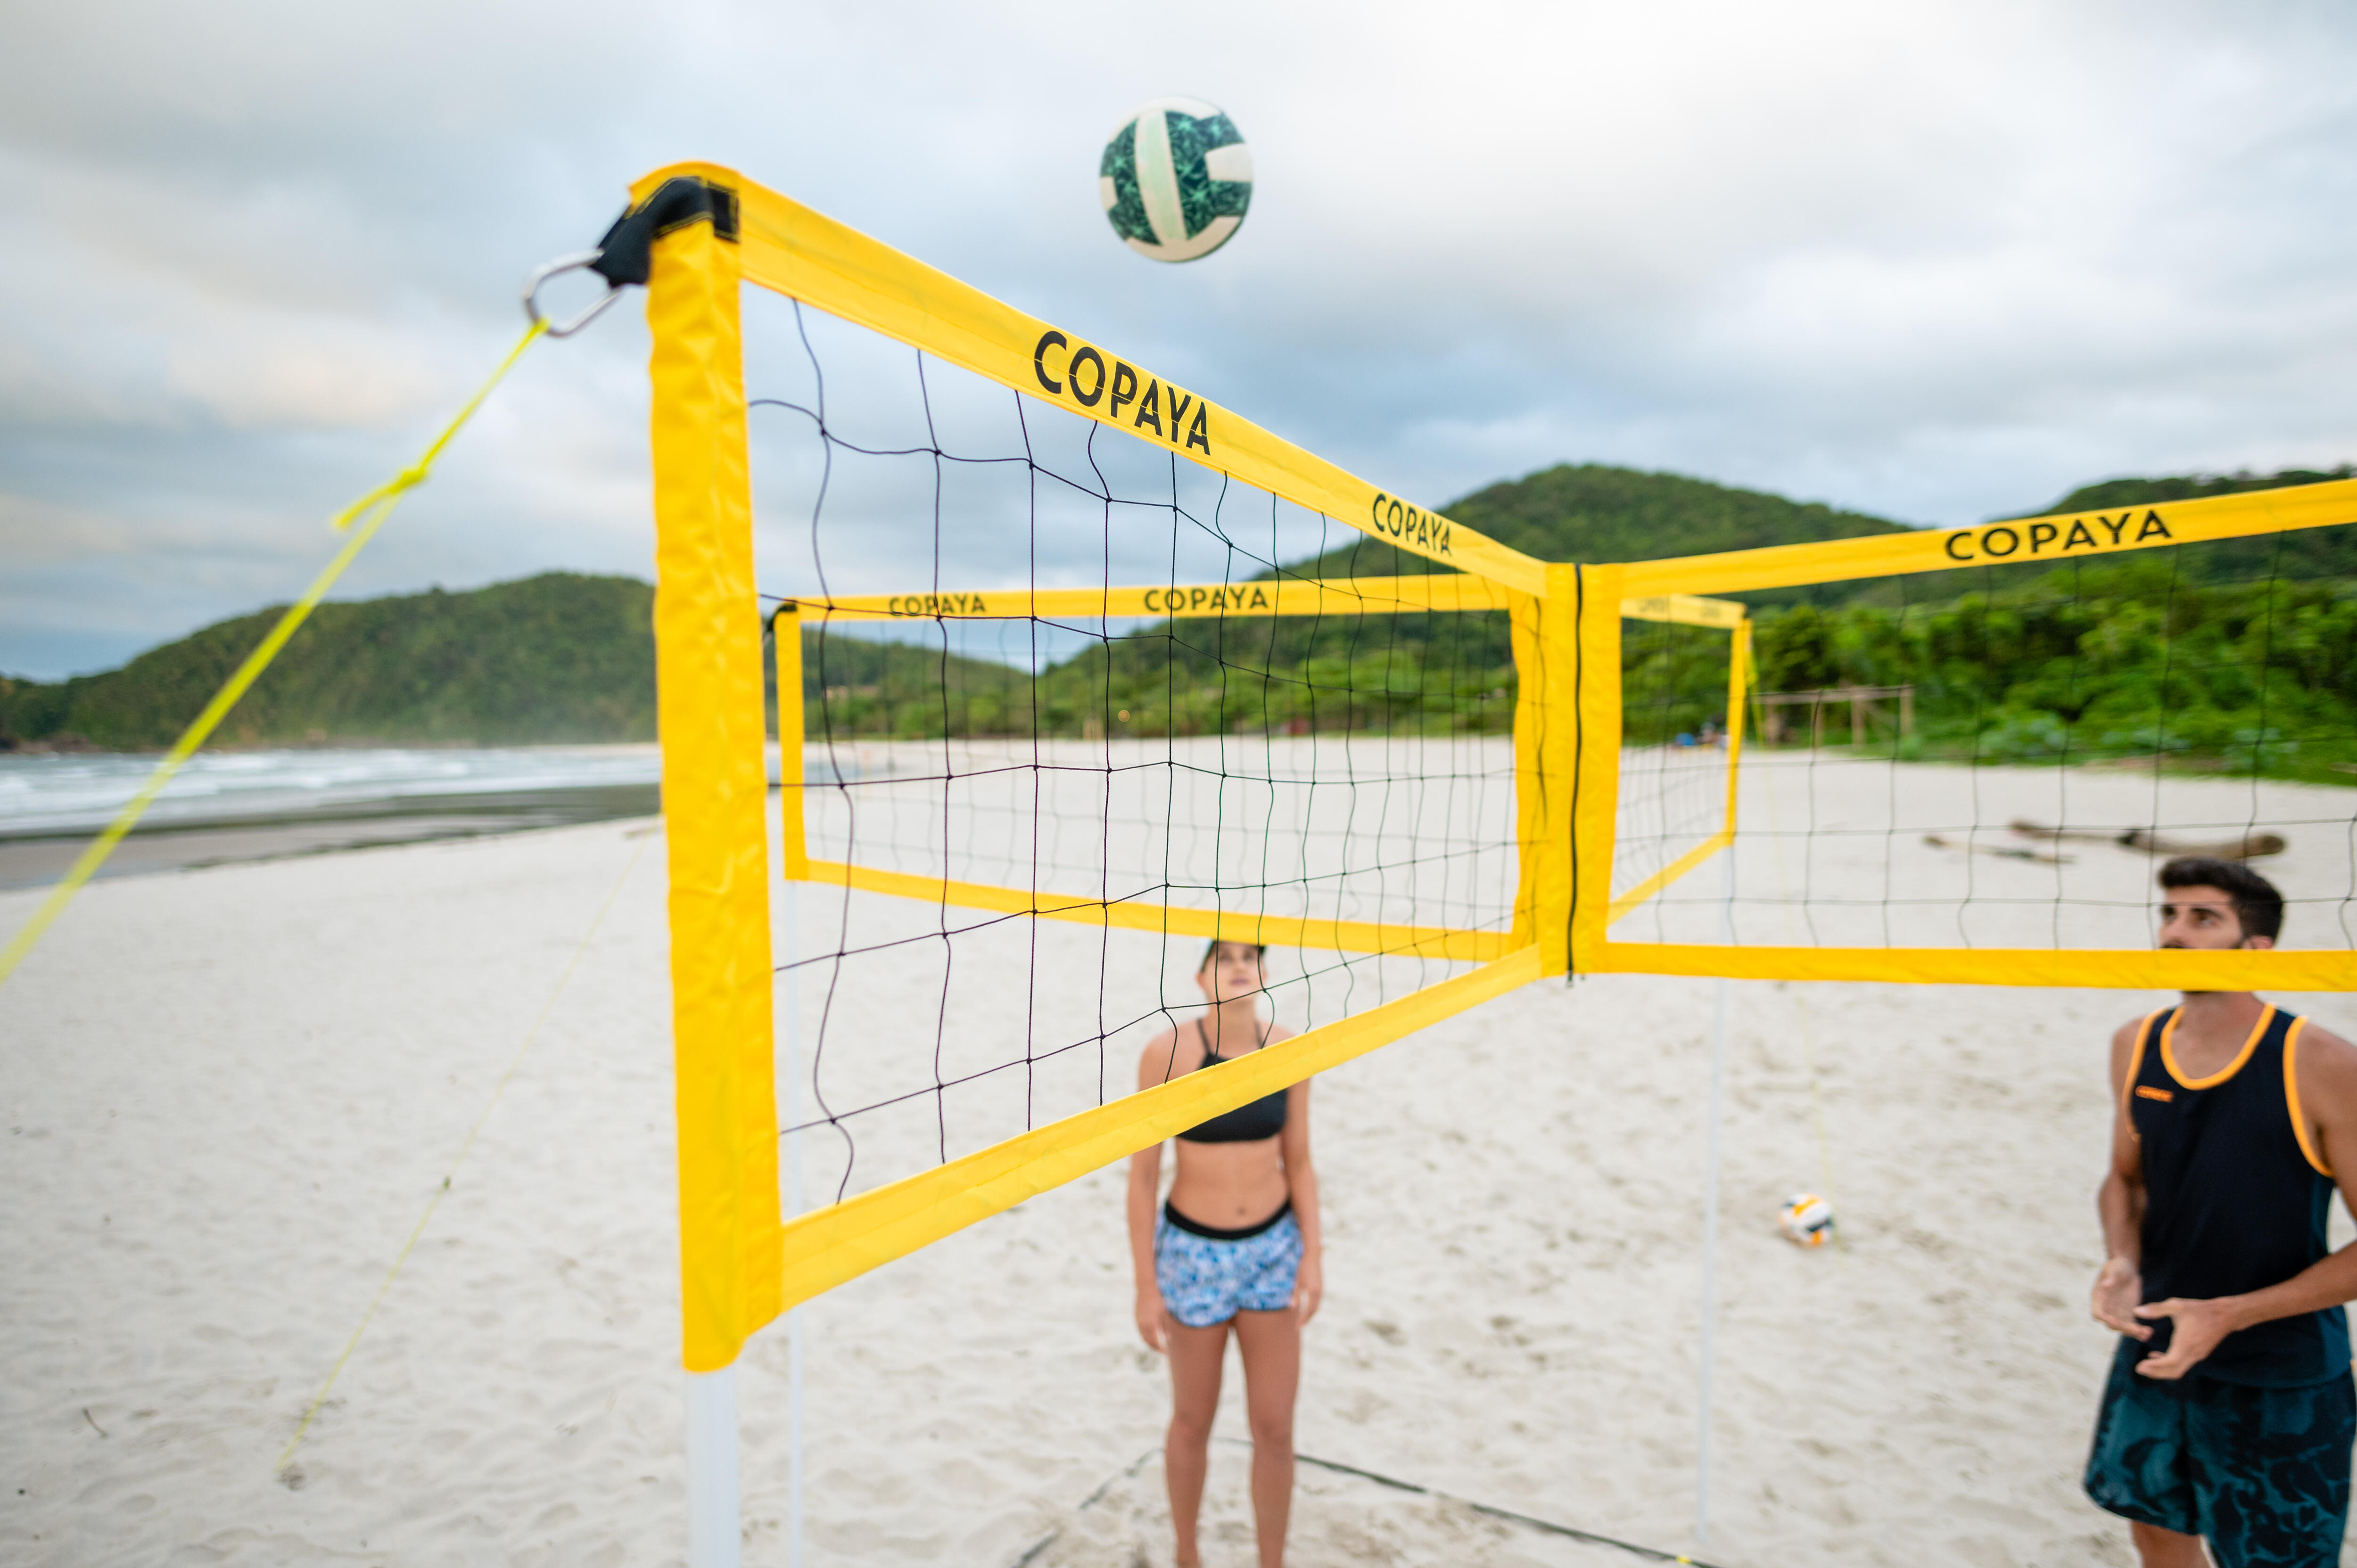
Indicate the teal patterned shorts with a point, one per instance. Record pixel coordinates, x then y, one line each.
1205 1281
2261 1474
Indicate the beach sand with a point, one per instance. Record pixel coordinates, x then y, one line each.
230 1093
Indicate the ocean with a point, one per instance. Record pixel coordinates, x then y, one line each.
248 805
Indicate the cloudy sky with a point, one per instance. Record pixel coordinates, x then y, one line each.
1933 261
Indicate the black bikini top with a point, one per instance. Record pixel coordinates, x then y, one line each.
1263 1118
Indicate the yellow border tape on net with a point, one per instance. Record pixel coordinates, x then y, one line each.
363 518
799 254
1283 596
1452 943
2064 536
1340 596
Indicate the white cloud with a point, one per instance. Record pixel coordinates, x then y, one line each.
1937 260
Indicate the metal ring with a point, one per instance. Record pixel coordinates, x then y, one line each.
540 274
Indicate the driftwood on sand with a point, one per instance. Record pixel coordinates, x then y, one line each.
2002 850
2249 846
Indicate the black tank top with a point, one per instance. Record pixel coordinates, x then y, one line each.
1263 1118
2235 1198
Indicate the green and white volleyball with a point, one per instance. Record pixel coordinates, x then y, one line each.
1177 179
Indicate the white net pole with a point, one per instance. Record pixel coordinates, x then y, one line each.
794 1207
1710 1204
714 1536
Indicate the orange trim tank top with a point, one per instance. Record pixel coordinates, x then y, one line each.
2235 1200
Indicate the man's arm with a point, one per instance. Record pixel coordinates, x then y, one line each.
2325 1072
2119 1204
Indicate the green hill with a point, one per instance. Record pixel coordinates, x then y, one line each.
2308 554
1590 512
561 657
557 658
2236 652
1375 671
566 657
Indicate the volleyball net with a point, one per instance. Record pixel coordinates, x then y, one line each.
1972 749
1072 671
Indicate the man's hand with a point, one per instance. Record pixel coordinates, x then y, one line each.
1152 1321
2117 1287
1309 1286
2200 1326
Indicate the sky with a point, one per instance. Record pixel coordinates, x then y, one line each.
1935 261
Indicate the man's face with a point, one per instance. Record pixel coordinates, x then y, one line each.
2203 918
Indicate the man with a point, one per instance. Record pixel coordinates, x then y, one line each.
2229 1413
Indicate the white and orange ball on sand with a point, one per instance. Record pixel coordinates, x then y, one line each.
1806 1219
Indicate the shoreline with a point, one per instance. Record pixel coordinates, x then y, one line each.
40 858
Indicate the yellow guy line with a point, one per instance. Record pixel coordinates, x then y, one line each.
464 1150
368 513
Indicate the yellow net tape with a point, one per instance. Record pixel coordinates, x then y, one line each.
362 519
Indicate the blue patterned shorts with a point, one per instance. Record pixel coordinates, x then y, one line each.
1205 1281
2262 1474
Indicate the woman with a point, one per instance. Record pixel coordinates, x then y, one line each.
1235 1247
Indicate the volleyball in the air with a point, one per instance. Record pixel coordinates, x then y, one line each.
1806 1220
1176 179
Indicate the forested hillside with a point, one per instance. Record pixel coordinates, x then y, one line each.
2242 649
1590 512
561 657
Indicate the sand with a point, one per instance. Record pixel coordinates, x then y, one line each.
230 1093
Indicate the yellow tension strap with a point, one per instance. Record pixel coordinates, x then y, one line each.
363 518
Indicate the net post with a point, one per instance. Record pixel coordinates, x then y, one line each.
1710 1202
715 786
1738 677
786 655
1525 621
715 1537
1546 759
1595 790
790 958
786 658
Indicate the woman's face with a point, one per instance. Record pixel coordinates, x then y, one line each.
1234 970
